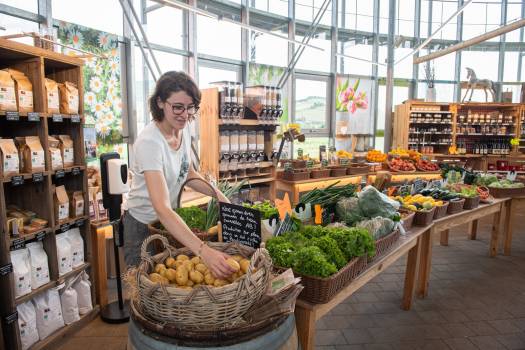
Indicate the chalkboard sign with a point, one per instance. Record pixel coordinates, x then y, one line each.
38 177
11 318
40 236
17 243
75 118
285 226
17 180
75 171
12 116
240 224
60 174
65 227
57 118
33 116
6 269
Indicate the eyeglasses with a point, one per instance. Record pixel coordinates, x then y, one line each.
178 109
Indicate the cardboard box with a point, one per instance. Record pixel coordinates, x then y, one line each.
61 201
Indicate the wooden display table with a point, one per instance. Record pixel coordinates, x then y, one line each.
511 207
443 226
306 314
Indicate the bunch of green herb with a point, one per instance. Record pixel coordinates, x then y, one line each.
266 208
329 195
311 261
281 250
354 241
331 250
194 217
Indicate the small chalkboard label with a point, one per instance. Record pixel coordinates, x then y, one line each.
12 116
17 180
57 118
75 118
6 269
285 226
59 174
65 227
38 177
11 318
240 224
40 236
343 161
75 171
79 222
33 116
18 243
418 185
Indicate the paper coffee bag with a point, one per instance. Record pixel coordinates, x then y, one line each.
61 204
7 92
23 91
53 101
9 155
32 154
68 98
55 153
76 204
67 150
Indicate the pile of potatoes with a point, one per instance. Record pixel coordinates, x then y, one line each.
187 273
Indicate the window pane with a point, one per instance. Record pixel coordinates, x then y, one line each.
279 7
405 18
313 59
513 13
423 28
353 66
484 64
264 48
516 92
444 67
510 67
97 14
311 146
359 15
479 18
444 92
383 16
15 25
208 75
441 11
156 27
403 70
28 5
310 104
211 36
399 96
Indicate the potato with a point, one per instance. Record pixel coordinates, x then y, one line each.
201 268
163 273
220 283
189 283
183 257
237 276
195 260
209 279
234 264
156 278
159 268
170 262
188 265
181 276
179 263
245 264
170 274
237 258
196 276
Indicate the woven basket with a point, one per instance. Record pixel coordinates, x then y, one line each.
384 244
507 192
455 206
320 173
471 203
319 290
441 211
408 220
203 306
357 169
424 218
296 176
337 172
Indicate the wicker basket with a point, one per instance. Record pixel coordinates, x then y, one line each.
320 173
424 218
319 290
441 211
357 169
296 175
455 206
471 203
507 192
337 172
385 243
203 306
408 220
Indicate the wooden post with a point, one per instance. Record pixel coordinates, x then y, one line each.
411 275
473 229
425 263
98 237
444 238
495 232
305 323
508 227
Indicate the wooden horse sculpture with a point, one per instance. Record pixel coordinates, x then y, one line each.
475 83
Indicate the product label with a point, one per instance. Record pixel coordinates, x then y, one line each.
11 163
52 100
80 208
25 99
63 211
69 156
56 159
37 159
7 96
73 103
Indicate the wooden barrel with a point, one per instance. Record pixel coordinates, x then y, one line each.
283 337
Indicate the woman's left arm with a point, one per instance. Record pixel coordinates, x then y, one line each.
207 189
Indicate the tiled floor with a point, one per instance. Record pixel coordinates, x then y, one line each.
474 302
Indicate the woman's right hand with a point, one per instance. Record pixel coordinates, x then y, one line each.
216 262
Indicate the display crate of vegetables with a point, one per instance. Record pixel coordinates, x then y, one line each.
501 188
423 206
454 201
469 192
326 258
407 218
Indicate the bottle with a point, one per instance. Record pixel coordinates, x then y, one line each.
476 149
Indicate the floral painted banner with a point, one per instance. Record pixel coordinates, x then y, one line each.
102 89
353 113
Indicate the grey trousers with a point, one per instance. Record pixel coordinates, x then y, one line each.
135 232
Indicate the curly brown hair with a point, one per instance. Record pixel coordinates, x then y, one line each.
169 83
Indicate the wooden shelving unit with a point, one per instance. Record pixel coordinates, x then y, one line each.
210 126
35 193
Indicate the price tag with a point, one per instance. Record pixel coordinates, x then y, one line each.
17 243
75 171
79 222
6 269
65 227
60 174
12 116
343 161
33 116
285 226
75 118
17 180
40 236
57 118
38 177
11 318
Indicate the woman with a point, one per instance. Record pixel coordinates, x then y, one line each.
161 165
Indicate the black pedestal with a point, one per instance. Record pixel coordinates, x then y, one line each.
112 313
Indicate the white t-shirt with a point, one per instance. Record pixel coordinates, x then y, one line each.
152 152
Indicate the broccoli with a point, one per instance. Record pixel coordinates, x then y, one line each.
332 252
311 261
